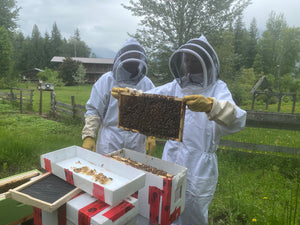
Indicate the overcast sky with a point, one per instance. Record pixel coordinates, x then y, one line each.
104 24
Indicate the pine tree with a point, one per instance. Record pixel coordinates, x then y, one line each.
6 54
9 13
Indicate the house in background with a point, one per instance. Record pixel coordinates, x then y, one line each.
95 67
30 75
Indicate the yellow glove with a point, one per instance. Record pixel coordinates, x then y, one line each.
199 103
89 144
115 91
150 144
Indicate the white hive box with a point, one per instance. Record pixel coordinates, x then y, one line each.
87 210
162 199
123 180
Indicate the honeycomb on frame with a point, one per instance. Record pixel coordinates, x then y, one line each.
152 115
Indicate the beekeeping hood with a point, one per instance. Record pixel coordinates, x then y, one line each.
204 56
130 64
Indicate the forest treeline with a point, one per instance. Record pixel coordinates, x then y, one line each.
245 53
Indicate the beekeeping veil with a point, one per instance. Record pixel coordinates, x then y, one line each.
130 63
195 63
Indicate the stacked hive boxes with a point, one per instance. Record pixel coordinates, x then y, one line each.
103 190
85 209
162 199
108 187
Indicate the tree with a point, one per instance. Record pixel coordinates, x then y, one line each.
228 58
9 13
278 49
67 70
18 43
79 76
56 41
241 40
241 88
166 25
253 34
6 54
77 47
50 76
37 48
47 50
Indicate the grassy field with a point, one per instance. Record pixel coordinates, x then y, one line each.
253 188
82 94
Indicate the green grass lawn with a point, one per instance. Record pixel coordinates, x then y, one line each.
253 188
24 137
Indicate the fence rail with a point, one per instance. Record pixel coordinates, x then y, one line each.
74 110
23 97
259 147
254 119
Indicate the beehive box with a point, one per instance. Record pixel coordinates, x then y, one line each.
152 115
96 174
162 199
85 209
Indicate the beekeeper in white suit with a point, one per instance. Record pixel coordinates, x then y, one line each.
129 70
211 114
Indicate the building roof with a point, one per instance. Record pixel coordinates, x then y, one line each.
60 59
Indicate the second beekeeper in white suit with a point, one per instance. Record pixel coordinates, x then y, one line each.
211 114
129 70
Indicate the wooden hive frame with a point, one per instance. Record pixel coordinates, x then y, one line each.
152 115
19 196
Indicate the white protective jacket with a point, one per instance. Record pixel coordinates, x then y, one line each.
195 67
102 108
196 152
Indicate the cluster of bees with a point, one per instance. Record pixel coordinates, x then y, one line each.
143 167
99 177
152 115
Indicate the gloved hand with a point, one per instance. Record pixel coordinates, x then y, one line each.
150 144
89 144
199 103
115 91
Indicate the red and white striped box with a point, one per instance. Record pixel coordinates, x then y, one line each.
124 180
162 200
87 210
57 217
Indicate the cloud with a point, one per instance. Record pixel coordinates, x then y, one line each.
102 24
261 9
106 24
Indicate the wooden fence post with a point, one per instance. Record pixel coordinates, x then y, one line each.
21 102
253 101
294 101
267 101
279 101
12 97
73 107
41 100
31 100
53 103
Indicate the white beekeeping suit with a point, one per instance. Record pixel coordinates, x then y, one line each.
129 70
212 114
